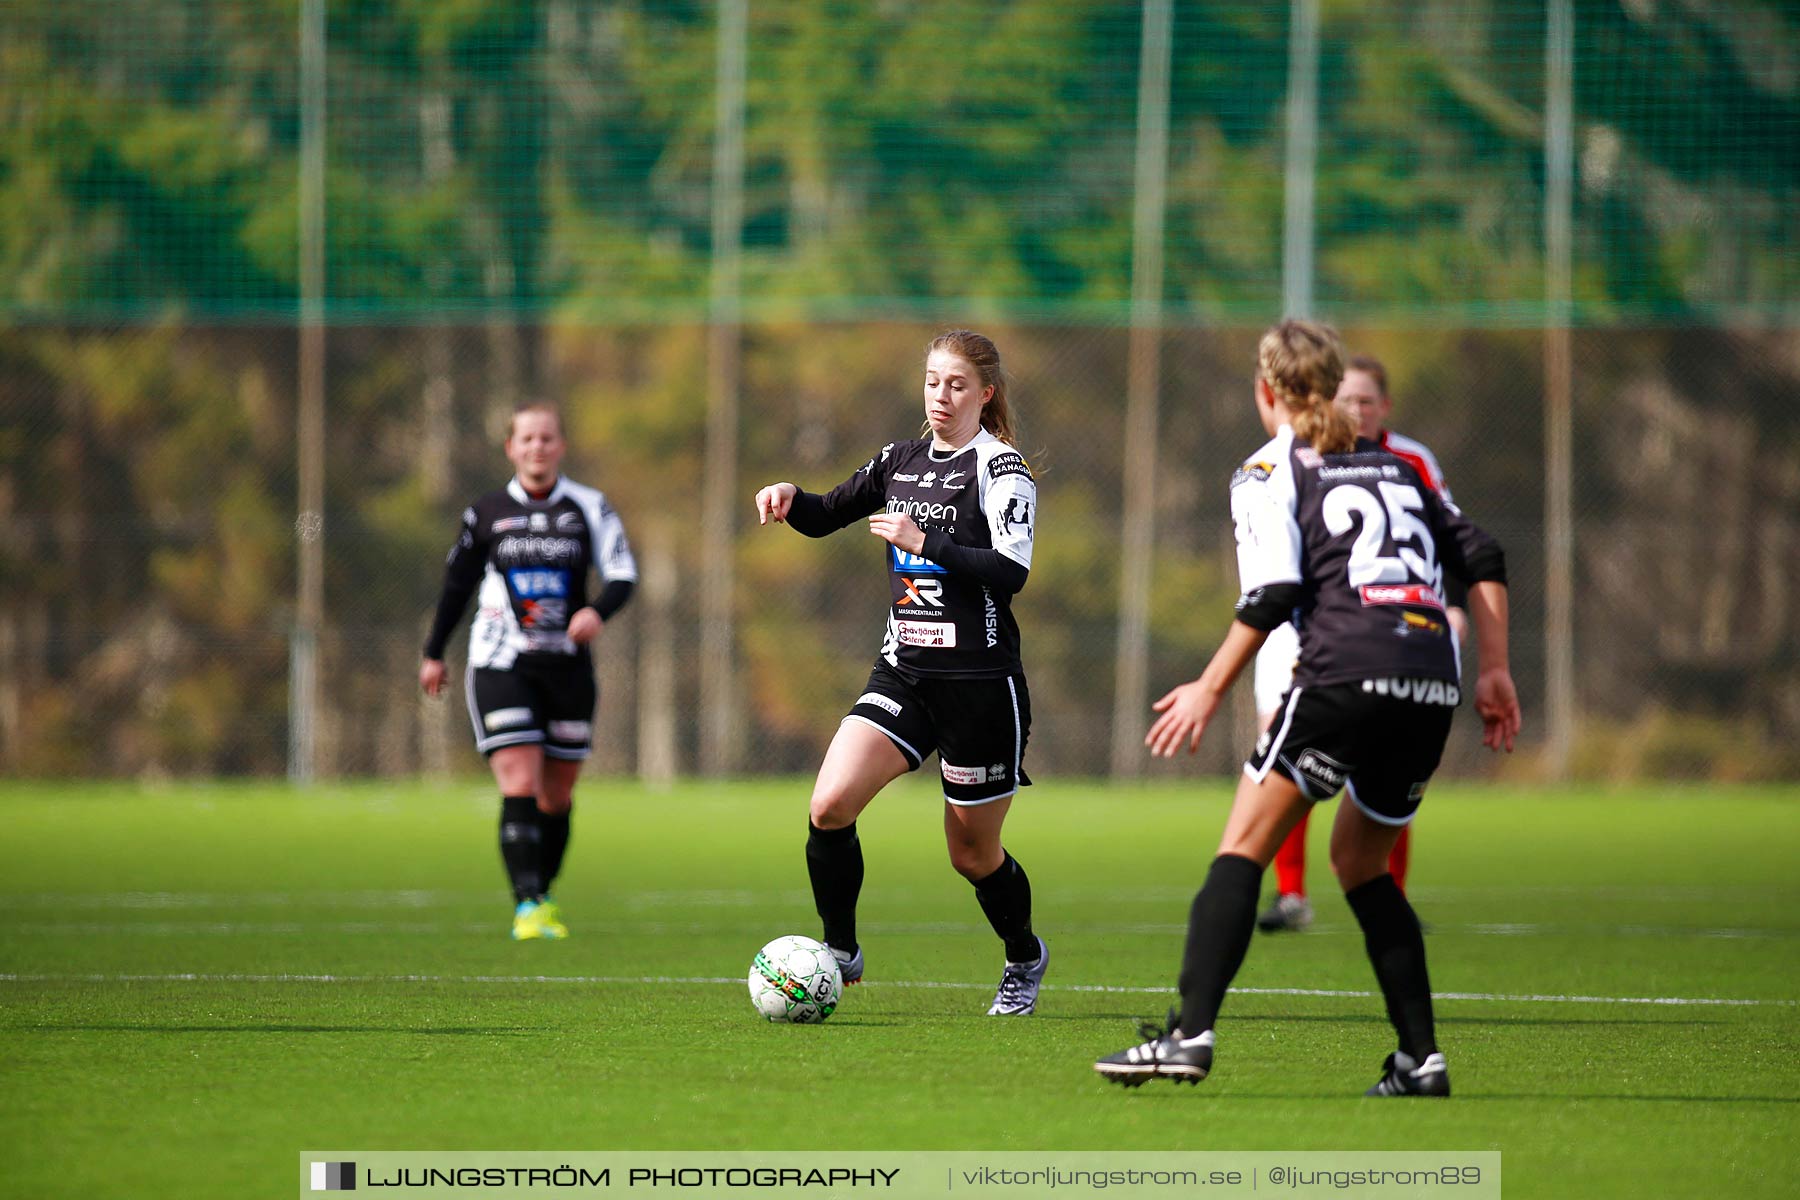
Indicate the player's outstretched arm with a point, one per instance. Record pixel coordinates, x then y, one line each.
1496 699
1187 710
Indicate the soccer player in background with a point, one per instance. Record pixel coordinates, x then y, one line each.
1349 537
1364 396
957 508
530 547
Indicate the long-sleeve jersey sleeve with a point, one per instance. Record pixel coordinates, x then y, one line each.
855 498
462 574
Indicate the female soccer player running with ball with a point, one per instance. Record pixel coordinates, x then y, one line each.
957 509
1349 537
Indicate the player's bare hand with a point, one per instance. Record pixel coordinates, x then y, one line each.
584 626
1186 711
773 502
431 676
898 529
1497 702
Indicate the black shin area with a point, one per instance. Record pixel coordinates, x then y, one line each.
834 863
1005 897
521 846
1397 951
555 830
1219 927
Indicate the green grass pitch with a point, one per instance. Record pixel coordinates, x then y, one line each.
197 982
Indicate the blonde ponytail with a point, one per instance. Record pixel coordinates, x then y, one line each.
1303 363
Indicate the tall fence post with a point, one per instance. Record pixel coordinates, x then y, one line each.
309 523
1301 165
1143 388
1559 388
718 707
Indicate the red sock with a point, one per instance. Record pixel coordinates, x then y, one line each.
1290 860
1399 856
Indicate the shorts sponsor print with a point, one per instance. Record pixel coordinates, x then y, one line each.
1380 744
534 701
977 727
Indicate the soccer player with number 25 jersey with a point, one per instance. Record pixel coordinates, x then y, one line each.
1345 538
956 508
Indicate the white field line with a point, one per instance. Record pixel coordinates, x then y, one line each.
639 980
166 928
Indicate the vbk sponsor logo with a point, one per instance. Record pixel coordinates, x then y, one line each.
530 583
1421 594
928 635
927 593
912 564
922 509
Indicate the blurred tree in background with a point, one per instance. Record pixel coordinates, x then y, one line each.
519 204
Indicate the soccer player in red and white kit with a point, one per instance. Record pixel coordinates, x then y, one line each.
1364 397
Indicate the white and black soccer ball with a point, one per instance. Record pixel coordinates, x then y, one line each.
795 980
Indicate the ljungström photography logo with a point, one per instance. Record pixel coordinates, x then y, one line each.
334 1177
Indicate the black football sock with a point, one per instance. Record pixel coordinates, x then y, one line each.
834 862
554 828
521 846
1005 897
1397 950
1219 927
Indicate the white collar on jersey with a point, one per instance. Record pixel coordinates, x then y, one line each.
981 436
517 491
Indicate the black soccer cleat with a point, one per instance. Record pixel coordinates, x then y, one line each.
1167 1055
1401 1076
1287 911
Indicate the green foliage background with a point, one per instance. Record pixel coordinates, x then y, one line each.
519 203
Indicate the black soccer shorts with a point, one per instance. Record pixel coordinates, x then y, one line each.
537 700
978 727
1380 738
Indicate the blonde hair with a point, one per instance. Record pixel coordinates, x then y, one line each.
981 353
533 406
1303 363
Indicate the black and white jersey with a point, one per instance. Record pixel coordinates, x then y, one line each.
530 559
976 502
1367 541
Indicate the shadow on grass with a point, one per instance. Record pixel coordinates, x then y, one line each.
434 1030
1233 1018
1153 1089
